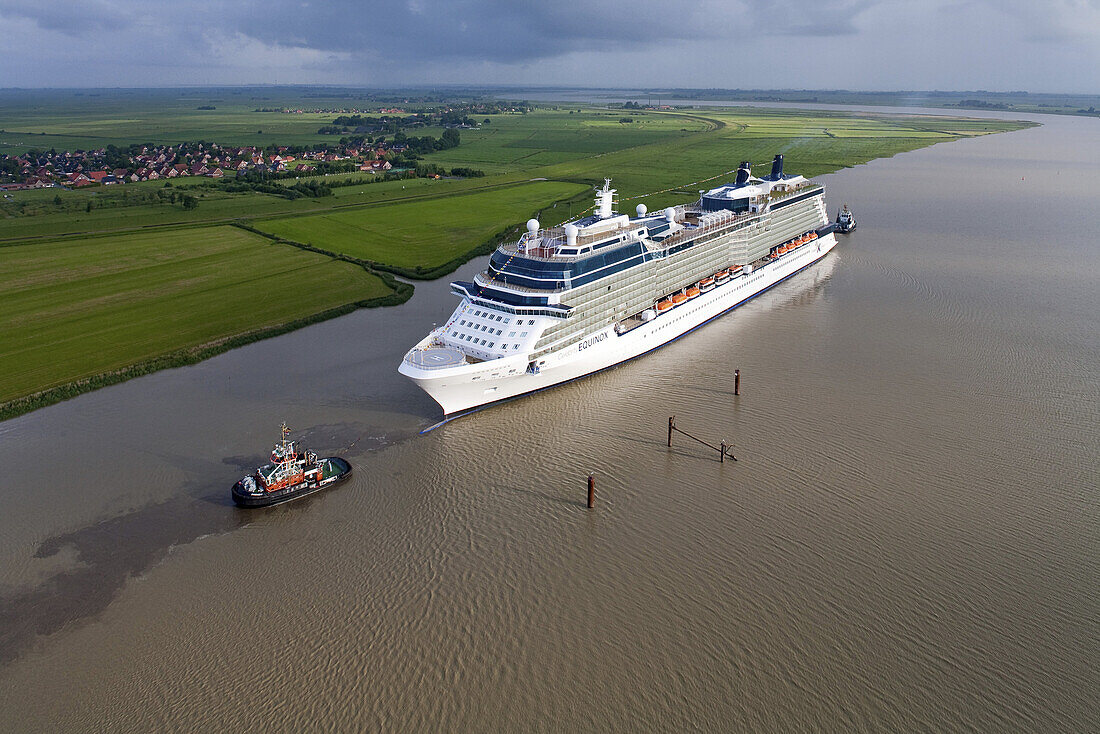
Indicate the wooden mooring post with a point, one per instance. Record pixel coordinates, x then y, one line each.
591 491
737 382
723 450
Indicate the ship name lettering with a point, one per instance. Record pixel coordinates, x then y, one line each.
591 340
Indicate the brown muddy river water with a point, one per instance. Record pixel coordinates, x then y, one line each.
909 541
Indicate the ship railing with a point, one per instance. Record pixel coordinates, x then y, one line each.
413 357
696 231
775 197
486 278
543 246
547 242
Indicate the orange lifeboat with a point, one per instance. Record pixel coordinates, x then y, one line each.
812 235
678 299
692 292
722 276
706 283
781 250
736 271
664 306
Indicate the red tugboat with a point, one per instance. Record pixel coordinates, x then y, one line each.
290 475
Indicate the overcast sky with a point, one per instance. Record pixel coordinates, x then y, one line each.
1035 45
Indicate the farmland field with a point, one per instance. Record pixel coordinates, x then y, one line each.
74 309
423 234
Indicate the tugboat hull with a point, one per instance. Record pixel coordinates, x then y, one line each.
244 498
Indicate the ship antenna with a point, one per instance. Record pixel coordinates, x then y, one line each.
605 200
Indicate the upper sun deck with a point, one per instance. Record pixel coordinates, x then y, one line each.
555 259
578 239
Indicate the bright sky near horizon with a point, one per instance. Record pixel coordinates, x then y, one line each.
1000 45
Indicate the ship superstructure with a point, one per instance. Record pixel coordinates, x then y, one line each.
565 301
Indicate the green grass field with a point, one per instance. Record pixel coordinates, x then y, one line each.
426 234
74 309
106 291
813 143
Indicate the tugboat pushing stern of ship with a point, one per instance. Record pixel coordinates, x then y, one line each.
292 473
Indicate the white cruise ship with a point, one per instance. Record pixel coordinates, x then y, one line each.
564 302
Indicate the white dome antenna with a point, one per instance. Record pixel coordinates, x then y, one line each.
571 231
532 239
670 215
641 210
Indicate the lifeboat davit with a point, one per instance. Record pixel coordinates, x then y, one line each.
678 299
664 306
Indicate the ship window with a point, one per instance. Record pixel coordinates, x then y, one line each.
511 333
491 344
524 334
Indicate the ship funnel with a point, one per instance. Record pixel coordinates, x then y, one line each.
744 171
777 168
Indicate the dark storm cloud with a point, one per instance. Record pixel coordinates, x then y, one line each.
73 19
503 31
486 30
868 44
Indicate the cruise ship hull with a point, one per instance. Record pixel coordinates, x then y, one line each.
459 389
